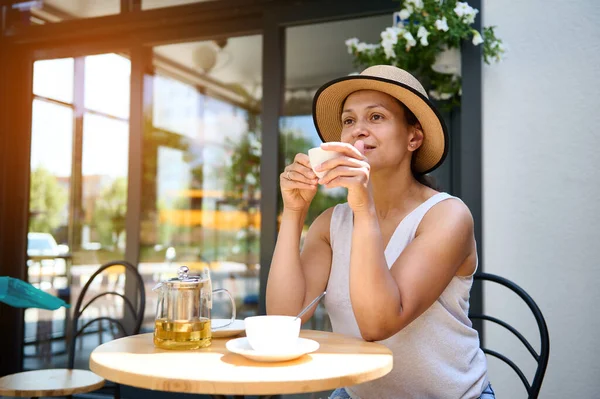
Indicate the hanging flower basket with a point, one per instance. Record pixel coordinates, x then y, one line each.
425 40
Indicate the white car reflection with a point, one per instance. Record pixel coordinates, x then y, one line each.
44 256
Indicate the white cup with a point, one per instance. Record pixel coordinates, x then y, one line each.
272 334
317 156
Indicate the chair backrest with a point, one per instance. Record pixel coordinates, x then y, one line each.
80 307
541 358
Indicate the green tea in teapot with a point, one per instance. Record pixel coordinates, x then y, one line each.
184 334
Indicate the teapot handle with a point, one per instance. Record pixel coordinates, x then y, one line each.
233 312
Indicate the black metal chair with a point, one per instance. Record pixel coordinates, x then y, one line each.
33 383
541 358
80 307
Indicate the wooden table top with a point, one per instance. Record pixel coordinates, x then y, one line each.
340 361
51 382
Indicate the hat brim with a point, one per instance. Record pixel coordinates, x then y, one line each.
327 111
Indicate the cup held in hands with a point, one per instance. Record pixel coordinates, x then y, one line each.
317 156
272 334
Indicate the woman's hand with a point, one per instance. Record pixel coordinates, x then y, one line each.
350 170
298 184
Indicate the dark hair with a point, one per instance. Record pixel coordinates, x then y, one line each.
422 178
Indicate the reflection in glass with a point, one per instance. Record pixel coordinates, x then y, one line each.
57 10
149 4
104 188
47 269
201 166
78 192
107 79
54 79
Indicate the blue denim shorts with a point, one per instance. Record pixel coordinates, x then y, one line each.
340 393
488 393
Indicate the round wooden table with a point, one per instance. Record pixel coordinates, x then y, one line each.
340 361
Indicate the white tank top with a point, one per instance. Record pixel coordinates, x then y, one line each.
437 355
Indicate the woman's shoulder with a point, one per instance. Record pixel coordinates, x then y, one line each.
447 210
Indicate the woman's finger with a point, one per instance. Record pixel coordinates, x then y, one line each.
342 161
302 159
301 165
292 185
299 174
343 148
343 171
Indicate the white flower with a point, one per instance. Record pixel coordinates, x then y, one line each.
390 35
389 52
461 8
465 12
422 34
439 96
500 49
410 40
364 47
442 24
404 14
351 43
470 18
415 4
371 47
389 38
477 39
360 47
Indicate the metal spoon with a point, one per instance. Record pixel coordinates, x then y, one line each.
310 305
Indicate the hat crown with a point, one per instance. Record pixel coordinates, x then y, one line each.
396 74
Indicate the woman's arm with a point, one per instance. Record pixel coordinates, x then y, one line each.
297 278
386 300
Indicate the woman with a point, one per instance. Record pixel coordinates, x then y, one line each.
397 259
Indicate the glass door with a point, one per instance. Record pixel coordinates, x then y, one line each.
78 190
201 187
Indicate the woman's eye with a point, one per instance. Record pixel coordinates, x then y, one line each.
376 117
347 121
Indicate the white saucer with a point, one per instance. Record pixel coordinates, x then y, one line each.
235 328
241 346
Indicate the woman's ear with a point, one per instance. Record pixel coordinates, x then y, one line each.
415 138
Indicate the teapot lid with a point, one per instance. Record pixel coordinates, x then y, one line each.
183 278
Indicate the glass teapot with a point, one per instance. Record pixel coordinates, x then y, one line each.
183 311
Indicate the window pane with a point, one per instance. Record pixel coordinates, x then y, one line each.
57 10
54 79
149 4
201 200
51 148
104 196
176 106
107 82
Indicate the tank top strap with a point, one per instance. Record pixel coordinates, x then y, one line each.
341 221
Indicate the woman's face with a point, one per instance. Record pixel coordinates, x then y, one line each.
379 121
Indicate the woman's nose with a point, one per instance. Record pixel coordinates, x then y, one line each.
359 130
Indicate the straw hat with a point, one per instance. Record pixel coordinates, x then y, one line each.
329 99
